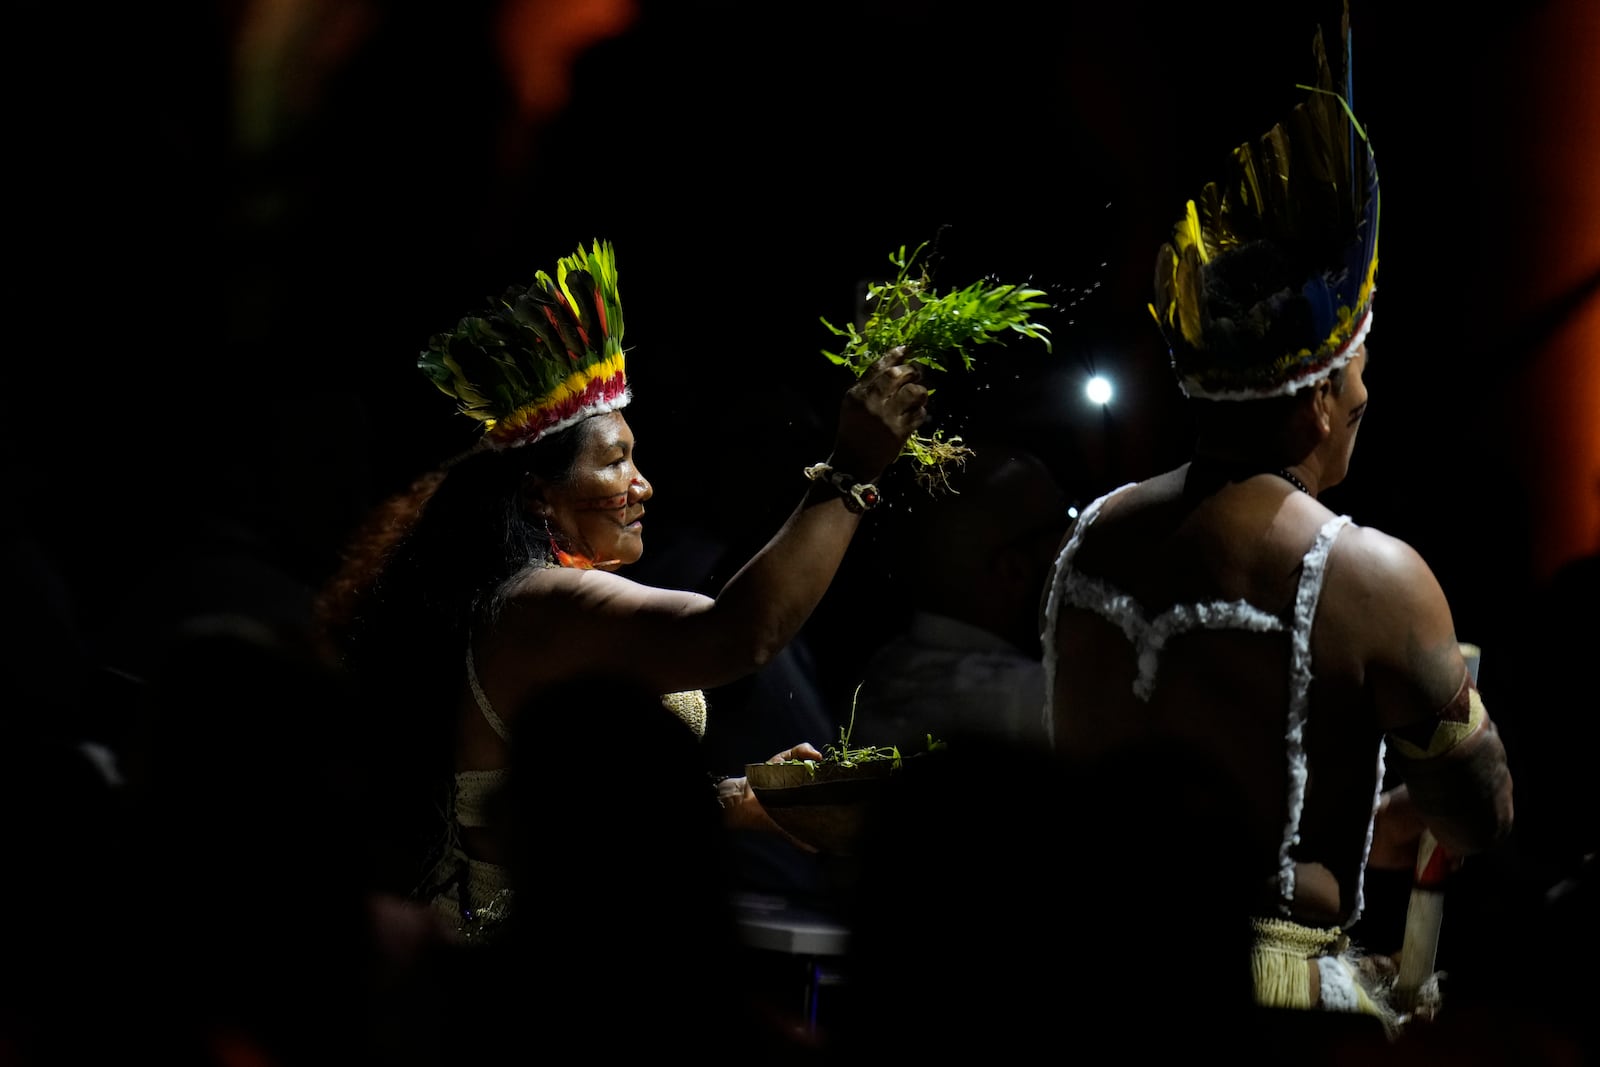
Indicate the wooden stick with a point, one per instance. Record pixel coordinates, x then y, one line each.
1424 915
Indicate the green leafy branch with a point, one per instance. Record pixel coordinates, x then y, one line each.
932 326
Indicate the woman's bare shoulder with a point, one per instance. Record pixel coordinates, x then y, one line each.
573 592
558 622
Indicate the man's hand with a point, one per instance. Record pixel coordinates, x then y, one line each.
1396 830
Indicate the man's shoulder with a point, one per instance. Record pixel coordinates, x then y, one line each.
1366 552
1368 568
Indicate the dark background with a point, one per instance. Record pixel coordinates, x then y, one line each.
233 227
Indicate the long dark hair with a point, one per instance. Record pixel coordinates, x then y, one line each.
428 567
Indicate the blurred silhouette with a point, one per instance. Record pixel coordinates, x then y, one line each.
1009 898
969 563
69 944
624 931
200 898
249 870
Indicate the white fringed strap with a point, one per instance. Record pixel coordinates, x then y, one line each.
1060 572
1312 570
495 722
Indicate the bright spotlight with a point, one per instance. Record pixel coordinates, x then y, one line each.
1098 390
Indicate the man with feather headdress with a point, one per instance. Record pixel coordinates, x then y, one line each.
1221 608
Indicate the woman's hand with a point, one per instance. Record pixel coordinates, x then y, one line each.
742 811
804 750
878 414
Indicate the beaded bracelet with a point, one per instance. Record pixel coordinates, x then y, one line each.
716 787
858 496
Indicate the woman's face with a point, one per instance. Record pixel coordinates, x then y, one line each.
596 510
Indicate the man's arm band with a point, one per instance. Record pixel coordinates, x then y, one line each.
1447 734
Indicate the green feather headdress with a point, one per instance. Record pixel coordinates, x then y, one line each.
1309 184
541 358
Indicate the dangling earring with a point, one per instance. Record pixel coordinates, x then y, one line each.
564 558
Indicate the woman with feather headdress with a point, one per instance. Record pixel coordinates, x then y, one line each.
497 579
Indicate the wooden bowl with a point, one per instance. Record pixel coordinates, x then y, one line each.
824 804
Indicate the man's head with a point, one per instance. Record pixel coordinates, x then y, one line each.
1314 427
981 552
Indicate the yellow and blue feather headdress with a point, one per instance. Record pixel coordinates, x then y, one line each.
1309 185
